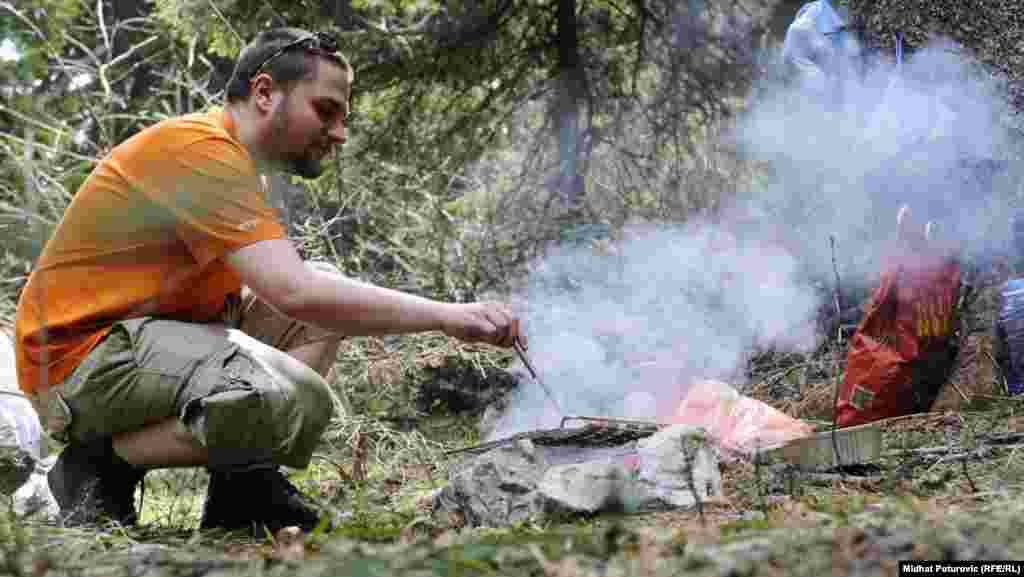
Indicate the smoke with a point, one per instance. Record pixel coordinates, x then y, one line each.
844 158
622 329
623 332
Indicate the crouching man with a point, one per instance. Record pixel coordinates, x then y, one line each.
170 322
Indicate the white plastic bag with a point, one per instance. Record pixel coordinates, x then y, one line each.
21 433
34 498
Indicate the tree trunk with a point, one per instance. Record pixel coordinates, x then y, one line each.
570 98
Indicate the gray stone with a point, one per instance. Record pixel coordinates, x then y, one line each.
594 486
497 488
514 483
675 457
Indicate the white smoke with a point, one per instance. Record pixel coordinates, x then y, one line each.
623 334
926 133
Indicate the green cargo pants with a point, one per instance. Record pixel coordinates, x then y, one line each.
230 384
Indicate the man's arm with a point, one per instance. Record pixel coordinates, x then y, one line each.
274 271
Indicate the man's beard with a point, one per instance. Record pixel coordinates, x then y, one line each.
302 164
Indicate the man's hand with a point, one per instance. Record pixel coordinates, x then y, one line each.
487 322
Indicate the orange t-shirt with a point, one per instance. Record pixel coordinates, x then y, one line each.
143 236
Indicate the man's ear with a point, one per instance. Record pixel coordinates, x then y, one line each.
262 93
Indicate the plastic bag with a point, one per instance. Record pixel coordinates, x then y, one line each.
817 45
904 349
737 422
1009 339
20 430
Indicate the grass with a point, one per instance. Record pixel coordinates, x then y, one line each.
377 475
807 534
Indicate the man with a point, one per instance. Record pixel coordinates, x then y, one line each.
170 323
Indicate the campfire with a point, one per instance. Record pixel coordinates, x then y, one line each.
590 464
585 466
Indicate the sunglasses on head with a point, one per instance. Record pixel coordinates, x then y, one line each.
319 43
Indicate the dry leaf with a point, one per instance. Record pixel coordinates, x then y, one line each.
1015 424
290 544
360 454
566 567
417 472
921 552
384 373
425 504
392 486
40 567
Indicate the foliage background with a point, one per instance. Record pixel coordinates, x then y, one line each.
481 129
484 132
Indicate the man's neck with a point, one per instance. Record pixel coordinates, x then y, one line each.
247 134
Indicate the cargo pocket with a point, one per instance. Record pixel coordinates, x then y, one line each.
54 413
228 411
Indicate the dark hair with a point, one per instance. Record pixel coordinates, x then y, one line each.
286 69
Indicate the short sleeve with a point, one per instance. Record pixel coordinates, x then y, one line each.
208 183
219 204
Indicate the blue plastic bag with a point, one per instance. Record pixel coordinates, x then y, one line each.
819 45
1009 341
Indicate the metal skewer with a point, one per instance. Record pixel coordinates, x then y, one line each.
533 373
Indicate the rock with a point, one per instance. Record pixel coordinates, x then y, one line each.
667 460
519 482
497 488
593 487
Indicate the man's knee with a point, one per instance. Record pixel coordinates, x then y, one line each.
258 414
303 415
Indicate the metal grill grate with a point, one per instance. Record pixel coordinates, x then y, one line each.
596 432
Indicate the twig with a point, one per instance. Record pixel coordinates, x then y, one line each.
970 481
10 8
690 460
781 374
761 489
957 389
226 22
1002 375
103 26
30 120
999 398
835 355
19 140
837 293
533 373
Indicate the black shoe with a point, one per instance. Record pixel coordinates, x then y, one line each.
93 485
256 499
